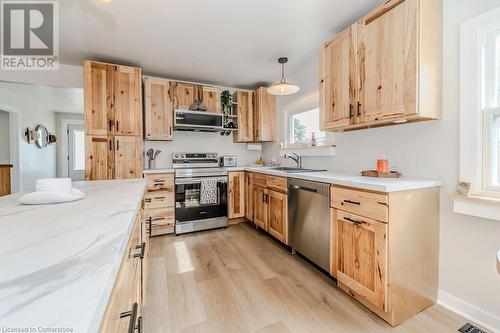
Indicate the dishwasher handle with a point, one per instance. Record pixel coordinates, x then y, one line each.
303 188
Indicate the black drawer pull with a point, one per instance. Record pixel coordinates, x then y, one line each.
133 316
143 250
159 198
148 200
356 223
351 202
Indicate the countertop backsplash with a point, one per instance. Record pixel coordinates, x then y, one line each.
199 142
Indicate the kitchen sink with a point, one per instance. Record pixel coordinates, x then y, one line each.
295 170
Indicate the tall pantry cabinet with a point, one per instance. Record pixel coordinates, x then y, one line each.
113 121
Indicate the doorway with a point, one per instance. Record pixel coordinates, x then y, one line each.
76 152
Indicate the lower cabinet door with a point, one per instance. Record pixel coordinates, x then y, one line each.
248 197
236 200
124 306
260 207
362 257
99 158
277 223
128 157
160 221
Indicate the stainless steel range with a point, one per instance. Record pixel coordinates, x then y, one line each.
200 192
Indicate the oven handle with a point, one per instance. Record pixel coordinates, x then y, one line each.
183 181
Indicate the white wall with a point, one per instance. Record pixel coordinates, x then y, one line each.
193 142
468 277
34 162
4 138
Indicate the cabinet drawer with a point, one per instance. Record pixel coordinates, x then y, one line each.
160 221
368 204
259 179
277 183
159 199
159 182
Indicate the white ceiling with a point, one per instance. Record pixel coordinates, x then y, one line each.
69 100
231 43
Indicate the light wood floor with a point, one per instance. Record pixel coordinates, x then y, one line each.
239 280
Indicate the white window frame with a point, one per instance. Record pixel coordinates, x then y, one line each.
474 99
304 104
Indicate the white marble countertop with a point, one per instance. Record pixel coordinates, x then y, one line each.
155 171
59 262
353 180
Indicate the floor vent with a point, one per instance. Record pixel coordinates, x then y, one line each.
469 328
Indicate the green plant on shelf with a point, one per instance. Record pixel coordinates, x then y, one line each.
226 101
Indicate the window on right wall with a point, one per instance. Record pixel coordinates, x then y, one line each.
490 110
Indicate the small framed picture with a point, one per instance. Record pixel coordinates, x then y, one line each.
463 188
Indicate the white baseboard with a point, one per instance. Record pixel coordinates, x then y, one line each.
470 312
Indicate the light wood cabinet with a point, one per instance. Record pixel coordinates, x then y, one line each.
158 109
248 196
362 257
264 117
99 157
159 205
385 249
98 98
5 182
244 112
126 302
338 85
277 223
184 95
236 195
211 98
128 157
128 101
269 203
386 69
113 117
260 207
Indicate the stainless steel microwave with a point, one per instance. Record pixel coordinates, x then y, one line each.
198 121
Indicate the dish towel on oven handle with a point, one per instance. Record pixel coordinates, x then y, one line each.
208 191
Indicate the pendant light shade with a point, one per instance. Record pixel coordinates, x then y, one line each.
283 88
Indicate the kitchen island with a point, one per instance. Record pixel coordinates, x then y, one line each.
59 263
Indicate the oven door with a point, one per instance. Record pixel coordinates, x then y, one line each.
187 200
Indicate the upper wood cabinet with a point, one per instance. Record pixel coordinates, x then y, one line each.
211 98
338 86
386 69
112 99
245 116
113 121
236 195
264 116
128 101
184 95
98 97
158 109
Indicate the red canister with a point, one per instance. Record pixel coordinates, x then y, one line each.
383 165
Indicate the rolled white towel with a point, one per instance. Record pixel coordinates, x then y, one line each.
52 191
498 261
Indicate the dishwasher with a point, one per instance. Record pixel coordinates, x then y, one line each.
309 220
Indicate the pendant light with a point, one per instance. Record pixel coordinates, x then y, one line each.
283 88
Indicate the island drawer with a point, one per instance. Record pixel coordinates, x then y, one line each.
369 204
159 182
160 221
159 199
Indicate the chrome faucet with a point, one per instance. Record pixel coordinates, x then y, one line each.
297 159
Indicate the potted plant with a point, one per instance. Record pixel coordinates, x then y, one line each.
226 101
